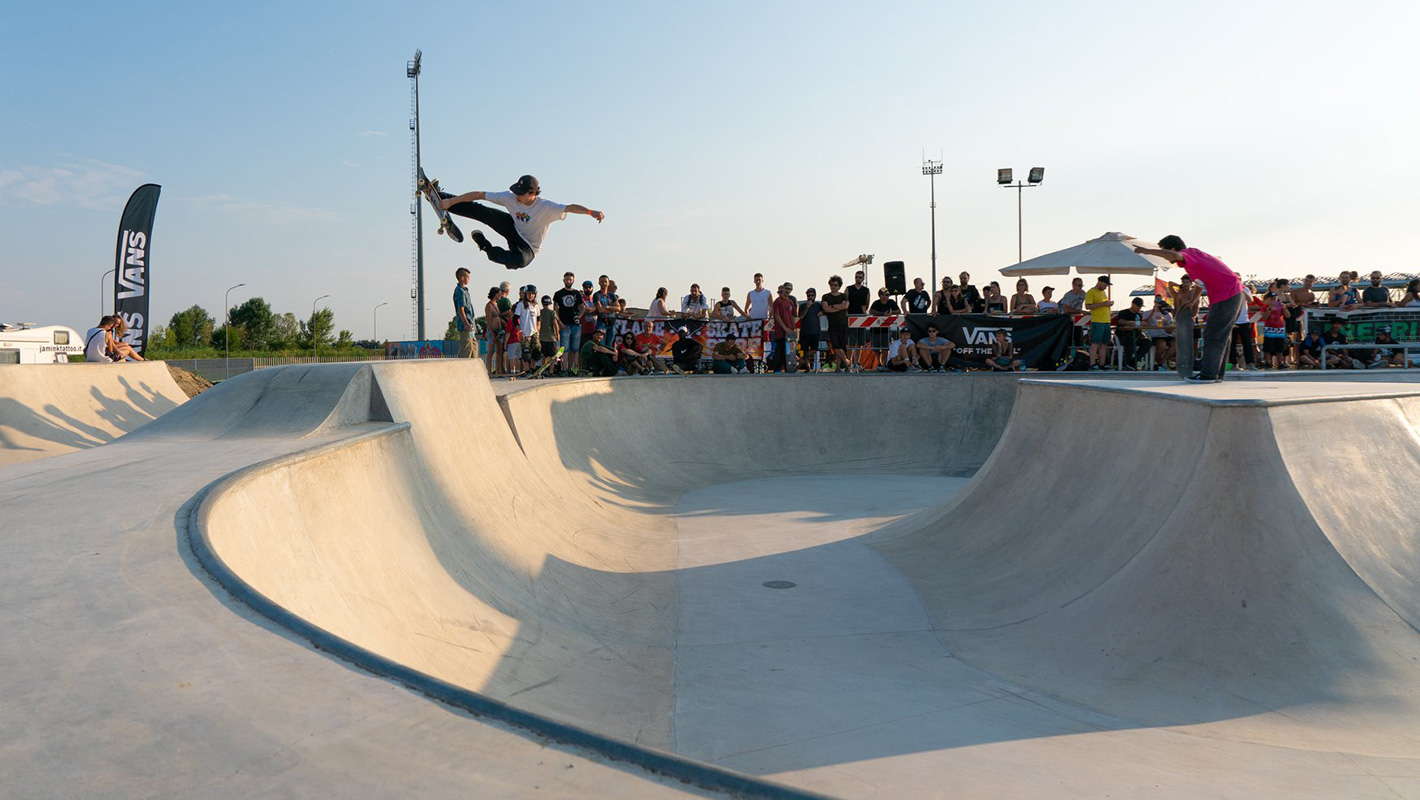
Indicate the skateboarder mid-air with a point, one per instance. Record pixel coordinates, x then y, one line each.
523 225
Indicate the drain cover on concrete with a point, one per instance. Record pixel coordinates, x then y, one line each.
780 584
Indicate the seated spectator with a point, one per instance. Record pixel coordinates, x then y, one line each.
597 358
648 340
884 305
97 342
1159 329
728 358
685 352
902 352
1003 354
632 358
1336 359
934 352
1047 304
1022 302
1126 328
120 350
1309 351
727 309
694 305
1394 356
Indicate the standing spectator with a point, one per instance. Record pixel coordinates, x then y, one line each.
1022 302
1097 303
694 305
727 309
1127 329
727 357
1245 333
810 329
1301 298
568 303
1412 294
621 307
1274 331
902 352
1003 354
632 358
514 361
973 297
934 352
658 305
1073 301
835 308
1375 295
993 301
493 332
685 352
885 305
590 319
757 301
1343 295
858 295
956 302
1048 304
1159 328
939 297
549 328
505 315
597 358
527 313
604 300
1224 298
463 311
917 300
785 313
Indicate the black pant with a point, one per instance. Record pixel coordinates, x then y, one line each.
1129 342
1244 336
1217 336
519 253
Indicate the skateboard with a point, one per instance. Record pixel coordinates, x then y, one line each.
430 190
1184 342
542 369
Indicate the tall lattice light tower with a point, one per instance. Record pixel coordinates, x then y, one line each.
416 211
932 169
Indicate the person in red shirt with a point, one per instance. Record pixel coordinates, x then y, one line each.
784 312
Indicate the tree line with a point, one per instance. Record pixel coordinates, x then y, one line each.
253 327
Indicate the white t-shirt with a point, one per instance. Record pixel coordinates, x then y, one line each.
896 345
530 221
527 319
94 346
759 304
692 305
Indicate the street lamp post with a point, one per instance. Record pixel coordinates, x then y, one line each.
315 340
932 169
1003 177
101 289
227 328
376 315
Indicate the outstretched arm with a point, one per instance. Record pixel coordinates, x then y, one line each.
449 202
573 208
1168 255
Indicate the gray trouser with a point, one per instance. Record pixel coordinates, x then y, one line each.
1218 335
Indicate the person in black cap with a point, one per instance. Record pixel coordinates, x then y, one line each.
523 225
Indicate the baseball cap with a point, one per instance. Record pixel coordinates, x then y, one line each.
683 329
546 299
1104 279
526 184
586 284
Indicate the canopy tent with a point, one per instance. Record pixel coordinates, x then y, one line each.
1110 254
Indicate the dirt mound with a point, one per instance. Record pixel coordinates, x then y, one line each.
190 382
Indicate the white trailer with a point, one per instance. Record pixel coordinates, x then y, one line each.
24 343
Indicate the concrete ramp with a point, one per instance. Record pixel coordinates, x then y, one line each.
50 409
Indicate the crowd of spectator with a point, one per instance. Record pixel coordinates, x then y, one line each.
573 330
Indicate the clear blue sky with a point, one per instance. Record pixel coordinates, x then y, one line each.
720 139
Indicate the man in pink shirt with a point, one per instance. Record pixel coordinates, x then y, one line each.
1225 300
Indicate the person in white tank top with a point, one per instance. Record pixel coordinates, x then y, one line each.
96 342
757 301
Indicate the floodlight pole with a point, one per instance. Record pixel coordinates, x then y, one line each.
227 329
1037 175
932 169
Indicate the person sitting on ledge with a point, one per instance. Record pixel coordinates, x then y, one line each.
597 358
902 351
685 352
728 358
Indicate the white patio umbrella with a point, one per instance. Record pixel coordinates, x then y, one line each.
1112 253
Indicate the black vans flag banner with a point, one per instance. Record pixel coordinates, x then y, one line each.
132 262
1039 342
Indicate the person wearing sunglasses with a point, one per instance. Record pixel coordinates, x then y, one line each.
523 225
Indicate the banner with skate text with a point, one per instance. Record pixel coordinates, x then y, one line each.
1041 343
132 264
748 332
